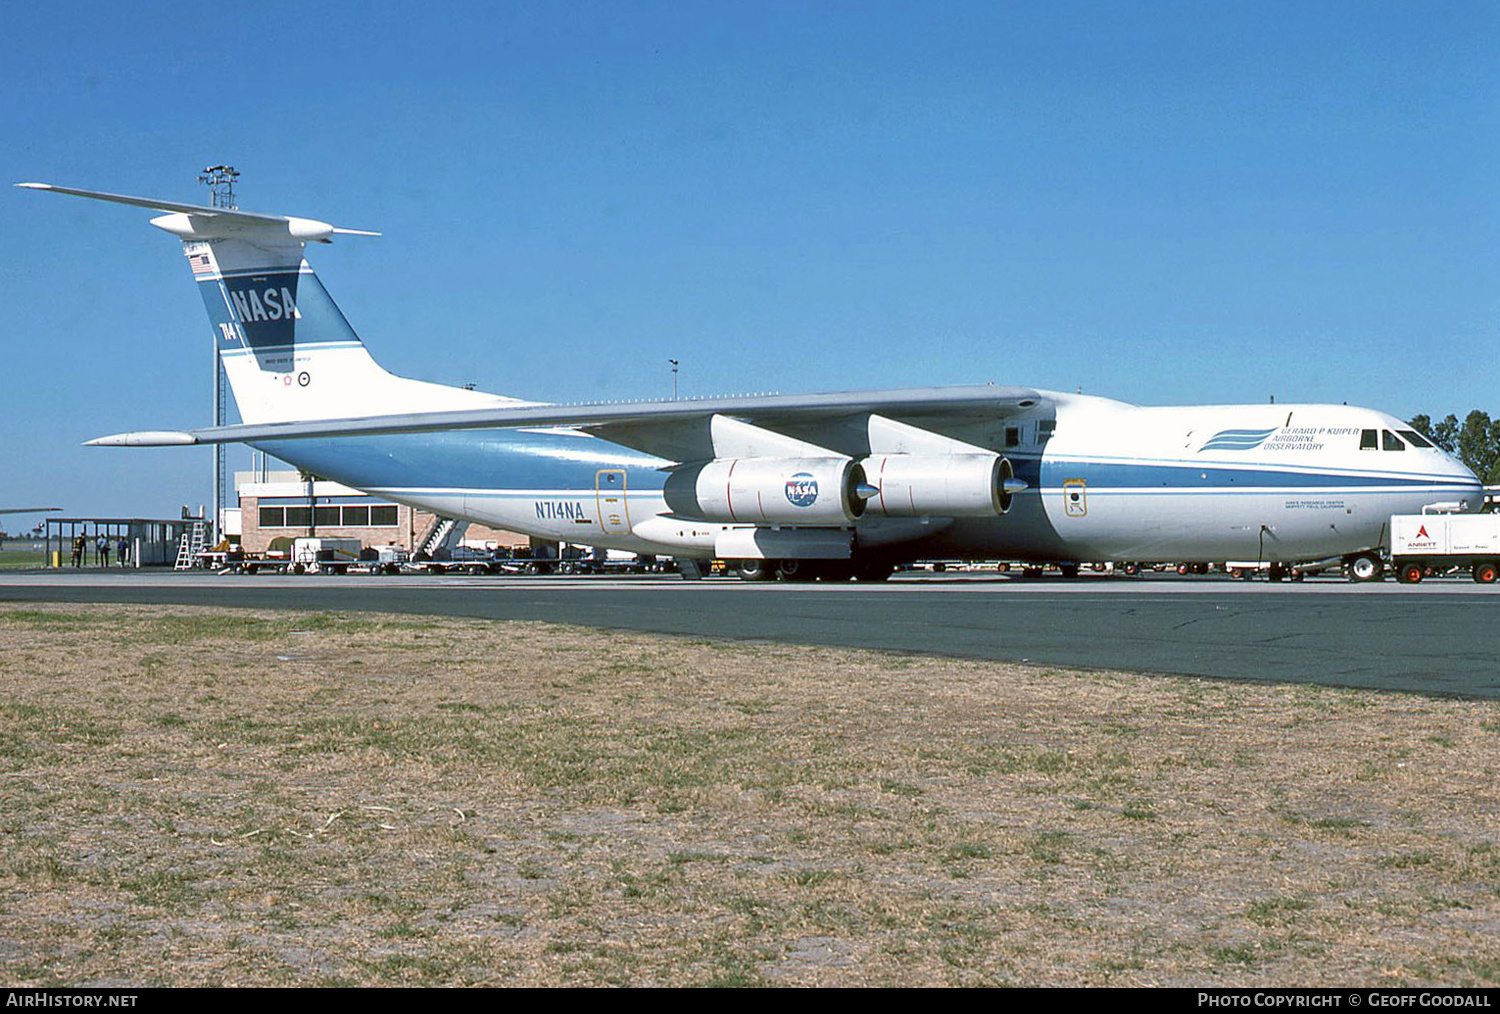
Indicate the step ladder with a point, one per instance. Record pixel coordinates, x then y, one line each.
442 535
193 542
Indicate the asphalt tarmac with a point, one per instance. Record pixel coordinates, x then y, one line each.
1441 637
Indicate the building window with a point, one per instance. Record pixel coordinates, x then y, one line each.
329 517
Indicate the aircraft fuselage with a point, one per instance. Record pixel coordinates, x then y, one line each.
1106 481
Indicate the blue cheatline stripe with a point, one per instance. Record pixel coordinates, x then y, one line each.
298 347
1118 475
501 494
265 272
1431 489
1239 466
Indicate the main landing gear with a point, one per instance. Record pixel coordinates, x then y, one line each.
815 570
1364 567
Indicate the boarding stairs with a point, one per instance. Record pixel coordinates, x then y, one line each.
193 542
443 535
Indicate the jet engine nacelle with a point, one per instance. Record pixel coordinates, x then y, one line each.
941 485
776 491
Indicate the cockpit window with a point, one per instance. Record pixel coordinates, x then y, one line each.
1414 438
1368 441
1390 442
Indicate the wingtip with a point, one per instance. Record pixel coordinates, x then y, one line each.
35 186
146 438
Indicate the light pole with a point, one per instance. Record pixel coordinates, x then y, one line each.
674 378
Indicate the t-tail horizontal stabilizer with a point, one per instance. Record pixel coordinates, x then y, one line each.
194 221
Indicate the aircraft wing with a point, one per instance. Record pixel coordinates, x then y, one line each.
677 430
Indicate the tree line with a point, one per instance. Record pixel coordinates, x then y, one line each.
1475 441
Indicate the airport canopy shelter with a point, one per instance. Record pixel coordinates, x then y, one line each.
149 542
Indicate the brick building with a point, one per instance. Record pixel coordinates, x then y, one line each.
283 505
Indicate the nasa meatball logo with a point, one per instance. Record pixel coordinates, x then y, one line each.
802 490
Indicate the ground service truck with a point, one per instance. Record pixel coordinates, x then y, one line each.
1423 543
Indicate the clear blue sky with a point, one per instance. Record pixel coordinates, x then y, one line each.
1160 202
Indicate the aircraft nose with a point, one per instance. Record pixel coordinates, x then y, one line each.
1472 493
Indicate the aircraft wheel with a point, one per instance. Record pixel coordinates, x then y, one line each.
1409 573
1184 569
796 570
1485 571
873 570
1276 572
1132 570
757 570
1365 567
1069 570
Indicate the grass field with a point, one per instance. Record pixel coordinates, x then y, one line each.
199 797
18 555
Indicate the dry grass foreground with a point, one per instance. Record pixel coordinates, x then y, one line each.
212 797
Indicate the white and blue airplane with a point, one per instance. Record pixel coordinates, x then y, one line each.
827 485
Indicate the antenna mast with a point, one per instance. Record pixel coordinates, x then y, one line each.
220 181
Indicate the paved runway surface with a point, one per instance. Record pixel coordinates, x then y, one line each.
1441 637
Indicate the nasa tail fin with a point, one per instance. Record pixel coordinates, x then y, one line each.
288 351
